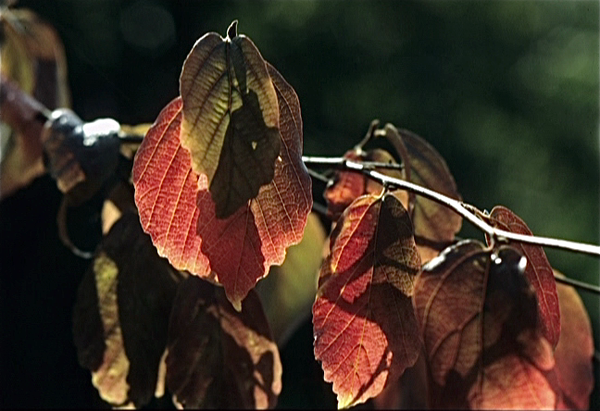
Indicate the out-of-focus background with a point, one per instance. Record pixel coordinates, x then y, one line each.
507 91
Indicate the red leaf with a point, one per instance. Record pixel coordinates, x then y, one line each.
481 331
220 358
165 193
365 330
177 209
242 247
574 351
538 272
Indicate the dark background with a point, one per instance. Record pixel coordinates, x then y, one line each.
507 91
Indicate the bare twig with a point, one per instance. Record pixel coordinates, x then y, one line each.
463 209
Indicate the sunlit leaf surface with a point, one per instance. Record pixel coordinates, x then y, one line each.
230 118
365 330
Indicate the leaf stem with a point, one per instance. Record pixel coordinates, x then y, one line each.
463 209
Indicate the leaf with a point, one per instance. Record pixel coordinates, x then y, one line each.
365 331
574 351
347 186
121 315
289 290
218 357
242 247
230 118
31 55
538 271
434 223
165 193
478 318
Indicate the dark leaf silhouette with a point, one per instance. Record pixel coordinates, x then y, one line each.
230 118
121 316
219 357
480 326
242 247
365 331
538 272
574 351
32 56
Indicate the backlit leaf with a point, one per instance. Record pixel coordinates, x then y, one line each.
165 193
242 247
365 330
219 357
538 271
230 118
574 351
483 340
120 319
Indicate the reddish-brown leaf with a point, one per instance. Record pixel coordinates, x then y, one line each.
365 330
120 319
538 271
242 247
574 351
479 322
165 193
177 209
230 118
219 357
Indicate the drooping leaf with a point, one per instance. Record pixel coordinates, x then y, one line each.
538 272
31 55
165 193
480 326
574 351
289 290
242 247
230 118
365 330
219 357
434 223
120 319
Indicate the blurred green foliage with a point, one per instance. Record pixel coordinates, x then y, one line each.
507 91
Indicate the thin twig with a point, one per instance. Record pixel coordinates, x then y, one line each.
340 162
578 284
463 209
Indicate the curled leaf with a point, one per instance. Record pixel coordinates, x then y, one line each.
219 357
230 118
120 319
538 271
483 341
365 330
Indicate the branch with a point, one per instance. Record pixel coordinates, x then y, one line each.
463 209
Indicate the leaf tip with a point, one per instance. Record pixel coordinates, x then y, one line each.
232 30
